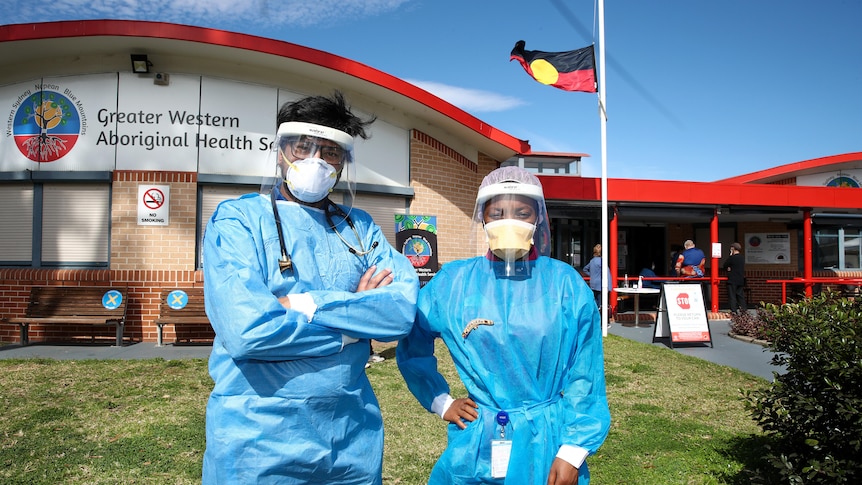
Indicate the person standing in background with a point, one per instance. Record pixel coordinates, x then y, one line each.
735 267
593 269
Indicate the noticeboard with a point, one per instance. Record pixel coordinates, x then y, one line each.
682 315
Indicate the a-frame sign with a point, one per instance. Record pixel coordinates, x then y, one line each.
681 315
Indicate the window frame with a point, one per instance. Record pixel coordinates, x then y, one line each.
55 182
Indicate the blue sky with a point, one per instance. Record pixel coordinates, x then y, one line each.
696 90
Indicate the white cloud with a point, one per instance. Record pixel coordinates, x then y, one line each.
249 13
471 100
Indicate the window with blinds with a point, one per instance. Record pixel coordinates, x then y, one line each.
16 219
76 224
211 196
382 209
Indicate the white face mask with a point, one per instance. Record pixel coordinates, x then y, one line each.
310 180
510 239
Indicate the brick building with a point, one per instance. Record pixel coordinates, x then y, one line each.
194 126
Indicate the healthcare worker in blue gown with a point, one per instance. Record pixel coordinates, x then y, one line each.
295 286
524 333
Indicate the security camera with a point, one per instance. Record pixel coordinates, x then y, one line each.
162 79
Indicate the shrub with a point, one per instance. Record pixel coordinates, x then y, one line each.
813 411
749 324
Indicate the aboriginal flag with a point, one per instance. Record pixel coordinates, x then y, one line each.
570 71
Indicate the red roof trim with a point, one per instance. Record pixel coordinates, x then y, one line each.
554 154
708 193
162 30
788 170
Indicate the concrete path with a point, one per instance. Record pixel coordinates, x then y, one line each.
746 356
78 351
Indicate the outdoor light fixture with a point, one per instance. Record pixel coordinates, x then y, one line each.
140 64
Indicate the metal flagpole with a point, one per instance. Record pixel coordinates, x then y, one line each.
604 122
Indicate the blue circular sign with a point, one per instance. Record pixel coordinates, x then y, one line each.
112 299
177 299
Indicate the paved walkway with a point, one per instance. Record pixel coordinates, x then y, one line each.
82 351
726 350
746 356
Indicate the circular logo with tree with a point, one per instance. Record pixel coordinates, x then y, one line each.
418 251
843 181
46 126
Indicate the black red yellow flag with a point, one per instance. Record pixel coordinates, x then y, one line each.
570 71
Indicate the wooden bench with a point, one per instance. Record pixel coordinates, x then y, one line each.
176 308
74 305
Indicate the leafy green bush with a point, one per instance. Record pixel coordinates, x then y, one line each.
813 411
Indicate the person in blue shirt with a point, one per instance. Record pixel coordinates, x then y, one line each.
649 273
593 269
691 261
524 334
295 287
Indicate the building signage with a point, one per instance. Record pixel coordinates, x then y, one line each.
106 122
841 178
124 121
46 123
153 206
767 248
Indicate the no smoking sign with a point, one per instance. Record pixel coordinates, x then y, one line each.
153 207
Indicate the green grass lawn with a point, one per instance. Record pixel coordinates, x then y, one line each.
676 419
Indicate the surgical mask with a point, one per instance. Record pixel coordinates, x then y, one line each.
510 239
310 180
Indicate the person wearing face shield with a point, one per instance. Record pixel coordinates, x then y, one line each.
295 287
524 333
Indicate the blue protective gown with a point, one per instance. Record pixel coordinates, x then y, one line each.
541 361
291 403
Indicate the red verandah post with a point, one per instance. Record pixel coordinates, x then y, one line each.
613 265
807 259
713 267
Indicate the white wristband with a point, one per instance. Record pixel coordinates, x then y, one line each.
303 303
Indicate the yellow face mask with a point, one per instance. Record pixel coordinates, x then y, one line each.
510 239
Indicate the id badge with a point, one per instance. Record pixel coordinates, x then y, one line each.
501 450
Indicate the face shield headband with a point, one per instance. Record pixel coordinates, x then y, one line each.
524 235
514 188
309 159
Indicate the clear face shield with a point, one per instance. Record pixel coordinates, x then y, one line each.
309 162
514 221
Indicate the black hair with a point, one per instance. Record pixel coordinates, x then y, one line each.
333 112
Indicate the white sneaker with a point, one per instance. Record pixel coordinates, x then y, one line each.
376 358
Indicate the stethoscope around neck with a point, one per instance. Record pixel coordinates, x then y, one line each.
329 209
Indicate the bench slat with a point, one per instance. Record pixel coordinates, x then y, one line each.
75 320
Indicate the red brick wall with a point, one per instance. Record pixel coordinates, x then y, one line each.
147 259
445 184
144 288
144 259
